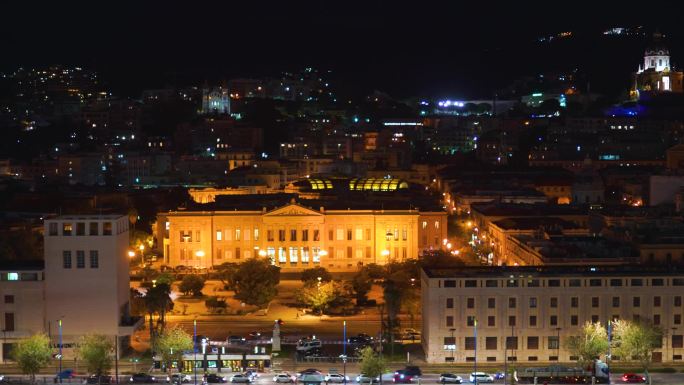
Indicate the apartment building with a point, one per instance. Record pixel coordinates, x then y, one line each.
523 314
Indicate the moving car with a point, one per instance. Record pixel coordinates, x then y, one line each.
633 378
283 378
239 378
449 378
215 379
142 378
95 379
304 345
336 378
178 378
402 377
480 377
413 371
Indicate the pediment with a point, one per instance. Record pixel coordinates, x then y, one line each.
293 210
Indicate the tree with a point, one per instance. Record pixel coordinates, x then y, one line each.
312 275
372 365
171 344
589 345
95 350
319 296
215 304
192 284
227 273
32 354
158 301
256 281
360 285
636 341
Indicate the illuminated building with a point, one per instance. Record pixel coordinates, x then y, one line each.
338 234
526 314
656 75
215 100
81 287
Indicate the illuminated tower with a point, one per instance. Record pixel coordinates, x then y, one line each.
215 100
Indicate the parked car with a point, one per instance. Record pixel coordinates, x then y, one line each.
307 344
252 374
66 373
239 378
336 378
178 378
235 340
363 379
633 378
283 378
449 378
480 377
142 378
253 335
309 371
101 379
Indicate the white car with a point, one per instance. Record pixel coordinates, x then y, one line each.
336 378
282 378
363 379
480 377
178 378
449 378
240 378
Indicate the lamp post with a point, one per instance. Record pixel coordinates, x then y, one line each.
344 352
194 348
475 358
59 374
199 254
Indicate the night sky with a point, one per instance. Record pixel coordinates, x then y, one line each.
406 48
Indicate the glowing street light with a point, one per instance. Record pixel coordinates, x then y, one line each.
448 245
131 253
385 253
445 241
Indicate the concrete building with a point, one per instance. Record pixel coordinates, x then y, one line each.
82 282
340 235
526 313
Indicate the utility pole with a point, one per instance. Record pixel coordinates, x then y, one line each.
475 360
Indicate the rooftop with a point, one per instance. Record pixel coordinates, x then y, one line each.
86 217
533 223
551 271
527 210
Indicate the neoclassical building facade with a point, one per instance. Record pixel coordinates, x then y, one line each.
296 237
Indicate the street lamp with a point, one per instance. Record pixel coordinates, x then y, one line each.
453 347
558 343
199 254
59 375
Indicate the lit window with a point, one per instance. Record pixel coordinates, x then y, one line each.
219 235
12 276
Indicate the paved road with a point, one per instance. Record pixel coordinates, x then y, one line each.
427 378
324 329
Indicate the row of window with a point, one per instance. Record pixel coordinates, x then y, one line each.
533 343
553 320
93 258
293 235
295 254
16 276
79 228
572 282
574 302
657 357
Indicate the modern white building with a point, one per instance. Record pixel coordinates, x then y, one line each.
82 282
526 313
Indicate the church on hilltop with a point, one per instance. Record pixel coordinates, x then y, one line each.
656 75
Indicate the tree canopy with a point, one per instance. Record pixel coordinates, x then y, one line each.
636 341
312 275
96 351
372 365
256 281
32 354
590 344
192 284
171 344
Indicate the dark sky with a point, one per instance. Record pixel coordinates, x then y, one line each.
407 48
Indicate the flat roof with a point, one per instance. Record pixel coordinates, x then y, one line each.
86 217
527 209
552 271
32 265
533 223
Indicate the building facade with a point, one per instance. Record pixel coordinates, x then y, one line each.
295 237
525 314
